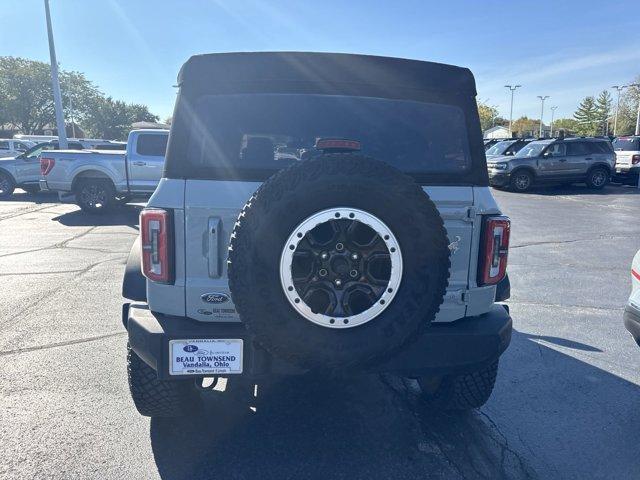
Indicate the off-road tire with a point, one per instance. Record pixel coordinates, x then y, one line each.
518 183
460 392
597 178
158 398
97 186
294 194
7 185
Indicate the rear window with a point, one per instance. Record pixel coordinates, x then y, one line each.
626 144
600 147
578 148
152 145
270 131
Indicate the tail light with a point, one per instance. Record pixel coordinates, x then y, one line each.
494 250
46 164
156 232
635 159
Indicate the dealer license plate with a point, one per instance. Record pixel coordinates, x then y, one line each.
205 357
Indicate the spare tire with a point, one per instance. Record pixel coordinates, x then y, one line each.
337 262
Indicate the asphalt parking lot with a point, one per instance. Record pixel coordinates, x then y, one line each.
566 403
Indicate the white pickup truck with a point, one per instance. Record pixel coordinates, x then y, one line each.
101 179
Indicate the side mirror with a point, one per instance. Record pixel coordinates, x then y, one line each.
546 154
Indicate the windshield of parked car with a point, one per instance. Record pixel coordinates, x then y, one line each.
500 147
271 131
531 150
35 150
626 144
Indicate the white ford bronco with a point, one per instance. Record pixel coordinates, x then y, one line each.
318 214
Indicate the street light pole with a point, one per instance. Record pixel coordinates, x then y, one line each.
513 89
553 110
542 99
55 84
619 88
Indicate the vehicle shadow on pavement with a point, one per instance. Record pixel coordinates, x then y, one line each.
126 215
550 190
37 198
547 418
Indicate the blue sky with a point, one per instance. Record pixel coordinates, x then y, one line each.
133 49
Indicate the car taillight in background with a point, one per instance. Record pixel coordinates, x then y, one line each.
156 234
635 159
46 164
494 250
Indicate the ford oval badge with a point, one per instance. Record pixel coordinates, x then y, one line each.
215 298
190 348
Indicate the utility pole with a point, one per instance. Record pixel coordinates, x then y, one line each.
619 88
513 89
55 84
542 99
553 110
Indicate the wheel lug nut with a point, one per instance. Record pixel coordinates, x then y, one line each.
339 247
324 255
354 256
323 272
338 282
353 273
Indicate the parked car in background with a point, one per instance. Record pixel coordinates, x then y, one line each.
565 160
10 148
627 158
507 147
23 171
632 310
99 179
490 142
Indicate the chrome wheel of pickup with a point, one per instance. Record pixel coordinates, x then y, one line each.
341 267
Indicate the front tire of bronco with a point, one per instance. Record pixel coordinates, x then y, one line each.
597 178
158 398
521 181
95 195
459 392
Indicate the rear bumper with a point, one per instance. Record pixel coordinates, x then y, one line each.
457 347
631 317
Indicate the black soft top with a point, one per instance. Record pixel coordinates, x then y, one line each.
338 74
207 73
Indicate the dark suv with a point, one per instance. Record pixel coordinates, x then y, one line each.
569 160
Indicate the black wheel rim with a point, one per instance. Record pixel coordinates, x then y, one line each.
93 196
341 270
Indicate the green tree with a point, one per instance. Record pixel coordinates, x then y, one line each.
26 100
488 116
629 109
525 126
112 119
604 104
587 117
569 125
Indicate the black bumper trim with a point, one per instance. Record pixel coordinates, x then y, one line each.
631 317
455 347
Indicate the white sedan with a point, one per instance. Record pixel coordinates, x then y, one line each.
632 310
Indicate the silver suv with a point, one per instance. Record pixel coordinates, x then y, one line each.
318 213
568 160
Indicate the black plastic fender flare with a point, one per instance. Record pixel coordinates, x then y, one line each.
134 284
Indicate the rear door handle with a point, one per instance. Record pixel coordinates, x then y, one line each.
588 158
139 164
562 159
